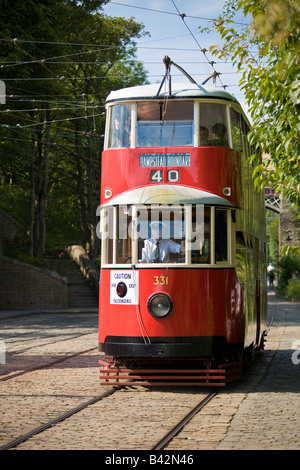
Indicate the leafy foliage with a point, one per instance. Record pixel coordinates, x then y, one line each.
271 84
59 60
288 265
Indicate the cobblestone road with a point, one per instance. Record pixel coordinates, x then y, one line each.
262 411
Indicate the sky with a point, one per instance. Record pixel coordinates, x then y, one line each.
180 40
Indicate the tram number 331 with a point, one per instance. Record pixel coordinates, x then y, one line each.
157 176
161 280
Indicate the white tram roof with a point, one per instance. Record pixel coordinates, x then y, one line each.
178 90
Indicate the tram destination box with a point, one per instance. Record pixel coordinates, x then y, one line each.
165 159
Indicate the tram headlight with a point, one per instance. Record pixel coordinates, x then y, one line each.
121 289
160 305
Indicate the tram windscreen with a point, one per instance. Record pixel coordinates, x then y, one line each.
189 234
170 123
164 123
161 235
120 125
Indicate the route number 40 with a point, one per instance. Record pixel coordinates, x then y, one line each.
157 176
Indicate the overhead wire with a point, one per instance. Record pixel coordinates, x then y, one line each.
42 63
95 141
96 47
168 12
203 50
43 60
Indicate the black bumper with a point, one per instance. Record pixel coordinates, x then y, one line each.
167 347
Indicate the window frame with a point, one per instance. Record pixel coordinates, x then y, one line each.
195 141
187 218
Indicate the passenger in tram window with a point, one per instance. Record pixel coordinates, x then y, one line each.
158 250
219 135
204 136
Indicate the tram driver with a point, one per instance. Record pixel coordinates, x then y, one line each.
158 250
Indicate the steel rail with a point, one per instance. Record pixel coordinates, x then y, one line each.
44 366
57 420
176 429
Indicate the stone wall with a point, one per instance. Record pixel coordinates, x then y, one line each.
86 265
289 228
23 286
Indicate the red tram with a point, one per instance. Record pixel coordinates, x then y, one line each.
183 283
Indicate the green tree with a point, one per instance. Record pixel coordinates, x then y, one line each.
288 265
266 51
272 229
92 80
59 59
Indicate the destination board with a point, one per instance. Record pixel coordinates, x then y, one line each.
165 159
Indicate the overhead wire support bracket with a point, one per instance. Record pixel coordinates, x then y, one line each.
213 76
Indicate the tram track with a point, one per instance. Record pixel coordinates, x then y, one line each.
45 339
19 440
44 366
160 445
31 341
39 432
48 343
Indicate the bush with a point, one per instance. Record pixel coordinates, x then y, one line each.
293 289
289 265
38 262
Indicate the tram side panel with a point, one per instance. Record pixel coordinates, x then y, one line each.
250 252
211 169
207 316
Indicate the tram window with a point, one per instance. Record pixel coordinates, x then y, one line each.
245 130
124 233
130 235
236 129
110 251
161 235
201 230
213 128
241 257
250 258
221 235
262 257
116 235
119 131
161 123
107 236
